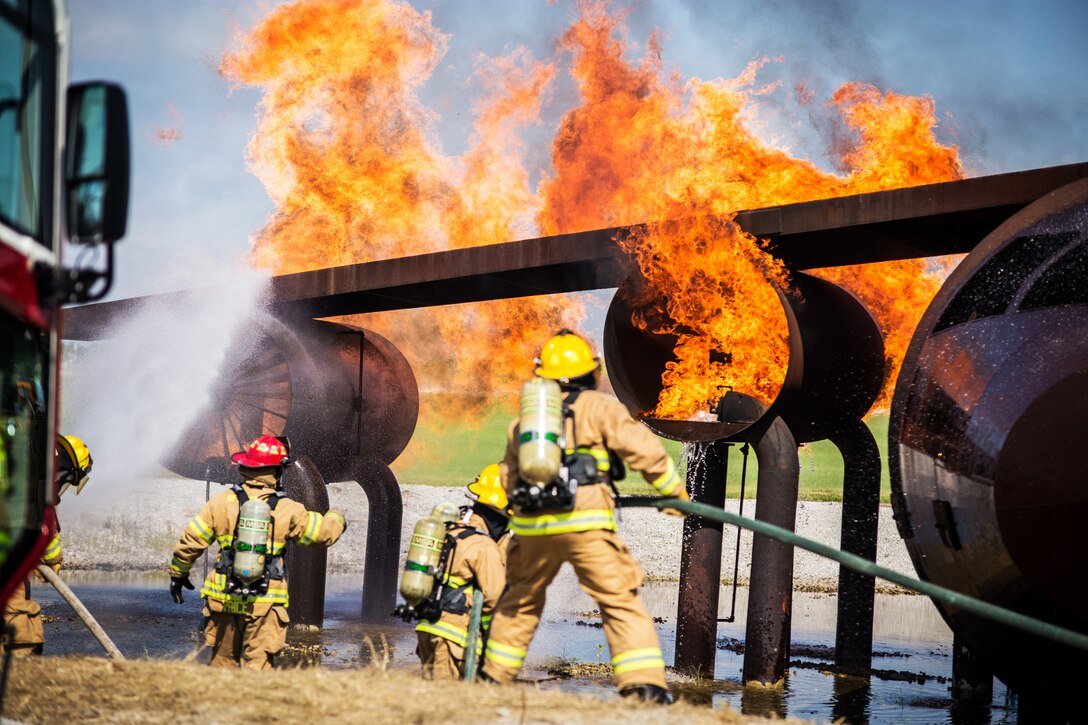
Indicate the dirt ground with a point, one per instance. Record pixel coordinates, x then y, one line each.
83 689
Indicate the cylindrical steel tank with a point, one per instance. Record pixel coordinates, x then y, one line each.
339 394
989 477
835 371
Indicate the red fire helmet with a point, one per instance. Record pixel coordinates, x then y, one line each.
264 451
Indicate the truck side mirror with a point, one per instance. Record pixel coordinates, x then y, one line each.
97 163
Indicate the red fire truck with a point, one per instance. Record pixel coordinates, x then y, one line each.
64 177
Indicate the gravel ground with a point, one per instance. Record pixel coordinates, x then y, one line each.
136 532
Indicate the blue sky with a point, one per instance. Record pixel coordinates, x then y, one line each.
1009 78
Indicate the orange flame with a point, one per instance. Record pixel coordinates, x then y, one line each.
641 148
349 154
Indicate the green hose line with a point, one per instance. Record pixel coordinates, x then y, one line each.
857 563
471 655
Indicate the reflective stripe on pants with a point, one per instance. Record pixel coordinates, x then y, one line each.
607 572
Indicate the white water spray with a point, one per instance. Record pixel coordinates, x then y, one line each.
130 395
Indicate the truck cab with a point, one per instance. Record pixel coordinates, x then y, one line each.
64 178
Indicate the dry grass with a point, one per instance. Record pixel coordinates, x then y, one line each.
60 689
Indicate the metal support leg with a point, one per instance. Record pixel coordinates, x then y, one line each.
306 566
860 514
700 565
382 539
770 598
851 697
972 680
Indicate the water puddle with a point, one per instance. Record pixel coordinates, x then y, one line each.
912 647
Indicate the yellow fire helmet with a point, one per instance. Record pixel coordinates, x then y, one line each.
73 463
488 490
565 357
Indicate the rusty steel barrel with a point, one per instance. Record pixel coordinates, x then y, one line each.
835 371
348 402
986 439
339 393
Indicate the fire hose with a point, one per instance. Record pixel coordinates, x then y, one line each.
77 606
962 601
472 654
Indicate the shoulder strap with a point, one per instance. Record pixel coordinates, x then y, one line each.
568 401
240 492
568 414
447 554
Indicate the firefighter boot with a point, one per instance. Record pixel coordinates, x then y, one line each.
648 693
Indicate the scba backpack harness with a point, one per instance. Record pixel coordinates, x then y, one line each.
247 564
447 593
576 467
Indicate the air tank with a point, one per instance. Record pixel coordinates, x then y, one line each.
541 429
251 545
987 436
425 553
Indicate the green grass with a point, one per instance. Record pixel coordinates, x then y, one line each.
442 454
445 454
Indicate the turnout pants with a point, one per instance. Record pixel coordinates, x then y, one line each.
25 617
252 641
439 658
607 572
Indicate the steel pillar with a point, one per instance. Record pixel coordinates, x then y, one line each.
766 702
972 680
851 699
382 539
973 692
306 566
770 597
701 564
860 516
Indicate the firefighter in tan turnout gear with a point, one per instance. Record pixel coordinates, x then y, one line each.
22 614
572 518
245 595
475 566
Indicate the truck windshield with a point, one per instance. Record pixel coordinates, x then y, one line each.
24 355
26 109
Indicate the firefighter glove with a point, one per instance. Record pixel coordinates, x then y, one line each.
176 583
681 495
337 514
40 577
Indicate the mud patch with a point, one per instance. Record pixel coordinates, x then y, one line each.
918 678
566 669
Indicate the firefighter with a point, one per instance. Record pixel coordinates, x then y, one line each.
246 621
22 615
584 535
476 565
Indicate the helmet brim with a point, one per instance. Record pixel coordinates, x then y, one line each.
242 459
567 375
